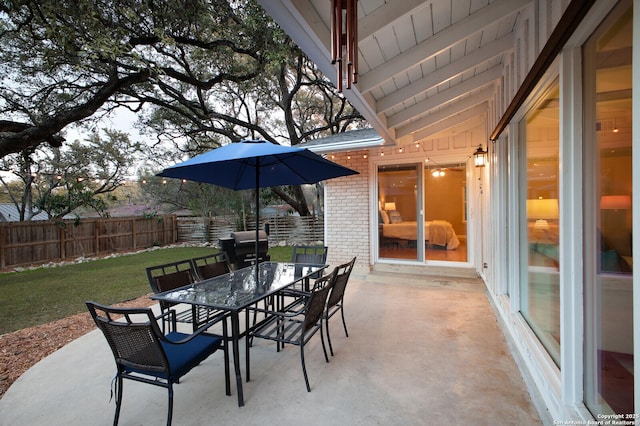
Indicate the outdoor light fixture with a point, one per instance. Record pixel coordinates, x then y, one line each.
480 157
344 40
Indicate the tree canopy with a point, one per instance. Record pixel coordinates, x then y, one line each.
199 73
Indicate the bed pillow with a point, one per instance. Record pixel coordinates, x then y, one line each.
384 217
394 216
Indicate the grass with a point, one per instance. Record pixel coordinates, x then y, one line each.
38 296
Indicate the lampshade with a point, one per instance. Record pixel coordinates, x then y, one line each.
390 206
615 202
542 208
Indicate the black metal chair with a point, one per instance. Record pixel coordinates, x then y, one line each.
211 265
335 301
170 276
144 354
297 327
309 255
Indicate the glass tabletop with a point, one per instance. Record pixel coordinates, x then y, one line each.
238 289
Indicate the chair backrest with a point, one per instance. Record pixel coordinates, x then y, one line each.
171 275
317 300
211 265
340 284
134 340
310 254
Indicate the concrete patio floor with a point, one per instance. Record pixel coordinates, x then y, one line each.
421 351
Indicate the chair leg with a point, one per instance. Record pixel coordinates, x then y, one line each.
344 324
118 400
170 403
326 322
324 348
227 381
304 368
267 303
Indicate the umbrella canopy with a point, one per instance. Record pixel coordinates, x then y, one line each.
257 164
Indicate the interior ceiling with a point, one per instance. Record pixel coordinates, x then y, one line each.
426 68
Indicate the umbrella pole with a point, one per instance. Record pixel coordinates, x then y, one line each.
257 215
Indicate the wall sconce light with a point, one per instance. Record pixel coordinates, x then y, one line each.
344 40
480 157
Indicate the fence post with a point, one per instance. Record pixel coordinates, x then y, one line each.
134 233
96 231
63 245
3 244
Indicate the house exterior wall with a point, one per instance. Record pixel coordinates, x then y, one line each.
558 391
347 208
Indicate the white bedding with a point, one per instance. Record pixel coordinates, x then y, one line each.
438 232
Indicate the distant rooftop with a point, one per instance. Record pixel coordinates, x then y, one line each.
9 213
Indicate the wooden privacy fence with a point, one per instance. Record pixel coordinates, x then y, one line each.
37 242
283 230
24 243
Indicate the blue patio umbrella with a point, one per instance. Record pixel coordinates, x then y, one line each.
254 164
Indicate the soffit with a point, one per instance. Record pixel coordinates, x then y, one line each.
425 67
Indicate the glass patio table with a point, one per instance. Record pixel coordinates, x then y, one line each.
237 291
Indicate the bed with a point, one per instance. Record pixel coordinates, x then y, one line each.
438 232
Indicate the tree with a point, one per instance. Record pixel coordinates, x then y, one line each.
201 73
60 180
64 60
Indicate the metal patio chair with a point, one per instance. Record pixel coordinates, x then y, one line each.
297 327
211 265
335 301
311 255
170 276
144 354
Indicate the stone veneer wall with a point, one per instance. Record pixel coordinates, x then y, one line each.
347 212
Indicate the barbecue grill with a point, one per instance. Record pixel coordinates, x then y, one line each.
241 248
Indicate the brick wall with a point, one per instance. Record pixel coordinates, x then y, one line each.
347 212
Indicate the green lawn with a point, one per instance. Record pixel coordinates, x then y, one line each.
42 295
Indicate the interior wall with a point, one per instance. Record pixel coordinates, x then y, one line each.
449 188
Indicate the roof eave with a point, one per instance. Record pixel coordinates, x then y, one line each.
285 13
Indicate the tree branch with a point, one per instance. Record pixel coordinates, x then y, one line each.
14 141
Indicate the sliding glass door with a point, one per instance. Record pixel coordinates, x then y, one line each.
422 212
445 208
609 354
398 212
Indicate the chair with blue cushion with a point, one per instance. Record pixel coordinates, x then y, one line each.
144 354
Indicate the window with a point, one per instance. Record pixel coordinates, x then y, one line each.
608 257
540 262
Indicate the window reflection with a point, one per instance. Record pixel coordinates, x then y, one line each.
540 288
397 212
608 222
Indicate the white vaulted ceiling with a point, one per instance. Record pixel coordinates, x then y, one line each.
425 67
